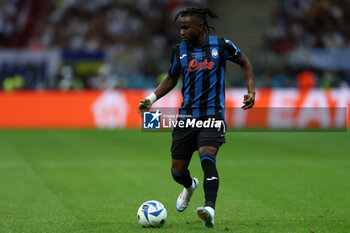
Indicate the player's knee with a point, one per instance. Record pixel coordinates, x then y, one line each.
179 166
178 176
207 157
208 163
208 150
177 169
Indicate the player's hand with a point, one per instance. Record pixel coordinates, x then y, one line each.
249 101
144 106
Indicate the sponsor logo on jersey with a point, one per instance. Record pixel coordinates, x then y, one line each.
195 65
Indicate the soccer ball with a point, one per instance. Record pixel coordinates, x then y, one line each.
152 214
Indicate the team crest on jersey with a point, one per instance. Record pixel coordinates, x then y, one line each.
214 53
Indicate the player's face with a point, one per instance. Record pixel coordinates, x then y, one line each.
190 29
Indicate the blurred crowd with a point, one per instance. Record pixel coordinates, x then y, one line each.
304 25
122 43
88 24
135 35
310 24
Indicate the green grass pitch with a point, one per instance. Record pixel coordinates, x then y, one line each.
94 181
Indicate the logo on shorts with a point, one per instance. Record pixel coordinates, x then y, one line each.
212 178
151 120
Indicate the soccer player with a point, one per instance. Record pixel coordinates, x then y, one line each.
201 59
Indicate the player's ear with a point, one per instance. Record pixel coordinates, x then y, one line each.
200 27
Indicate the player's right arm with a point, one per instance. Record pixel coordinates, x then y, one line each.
164 87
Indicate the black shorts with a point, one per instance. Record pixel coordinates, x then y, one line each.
188 140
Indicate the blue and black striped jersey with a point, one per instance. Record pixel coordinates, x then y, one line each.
203 69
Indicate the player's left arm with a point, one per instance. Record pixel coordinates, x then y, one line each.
248 73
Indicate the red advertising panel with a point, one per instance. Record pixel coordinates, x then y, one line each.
118 108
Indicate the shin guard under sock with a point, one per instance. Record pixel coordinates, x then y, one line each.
183 178
211 179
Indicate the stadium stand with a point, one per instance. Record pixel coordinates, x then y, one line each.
132 38
109 44
310 34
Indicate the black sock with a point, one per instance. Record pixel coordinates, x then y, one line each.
183 178
211 179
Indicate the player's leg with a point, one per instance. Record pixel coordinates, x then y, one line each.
209 142
210 184
207 156
180 172
182 149
182 175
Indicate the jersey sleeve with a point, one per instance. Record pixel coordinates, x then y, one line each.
232 52
175 66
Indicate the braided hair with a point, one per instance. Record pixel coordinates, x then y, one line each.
200 13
